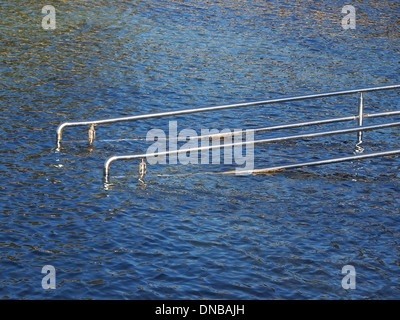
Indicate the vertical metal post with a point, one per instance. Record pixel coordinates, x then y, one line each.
360 123
361 110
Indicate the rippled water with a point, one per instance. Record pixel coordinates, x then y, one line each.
185 234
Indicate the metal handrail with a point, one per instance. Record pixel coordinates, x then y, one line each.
360 129
108 162
223 107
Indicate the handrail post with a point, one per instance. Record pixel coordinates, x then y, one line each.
360 123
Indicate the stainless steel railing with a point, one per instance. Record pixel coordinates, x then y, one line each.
360 129
247 143
64 125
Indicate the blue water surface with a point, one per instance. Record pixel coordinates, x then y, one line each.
189 232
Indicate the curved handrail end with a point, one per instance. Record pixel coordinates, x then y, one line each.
107 165
59 133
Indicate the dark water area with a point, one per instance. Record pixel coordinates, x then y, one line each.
184 233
